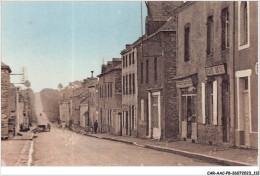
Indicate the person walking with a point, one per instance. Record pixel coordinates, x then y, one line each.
49 127
95 126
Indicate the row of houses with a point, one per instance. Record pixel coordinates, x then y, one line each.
16 110
192 76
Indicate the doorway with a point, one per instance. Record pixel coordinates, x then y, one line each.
120 124
188 110
225 111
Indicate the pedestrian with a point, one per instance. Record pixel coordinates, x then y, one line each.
49 127
95 126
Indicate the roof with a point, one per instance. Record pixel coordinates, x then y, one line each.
167 27
4 66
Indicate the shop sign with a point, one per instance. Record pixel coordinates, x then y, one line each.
187 82
215 70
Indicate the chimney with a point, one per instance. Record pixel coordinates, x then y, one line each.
104 68
92 74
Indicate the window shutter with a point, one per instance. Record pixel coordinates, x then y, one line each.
203 92
215 102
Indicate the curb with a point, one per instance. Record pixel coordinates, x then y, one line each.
90 135
111 139
211 159
118 140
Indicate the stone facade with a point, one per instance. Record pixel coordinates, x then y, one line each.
246 74
93 103
156 68
110 98
5 95
214 79
64 111
129 91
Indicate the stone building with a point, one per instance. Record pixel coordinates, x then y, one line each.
156 68
129 92
5 95
64 112
246 73
205 71
110 97
88 103
93 102
78 96
17 110
212 47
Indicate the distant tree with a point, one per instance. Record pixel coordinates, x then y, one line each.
60 86
27 84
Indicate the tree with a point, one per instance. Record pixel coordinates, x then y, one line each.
27 84
60 86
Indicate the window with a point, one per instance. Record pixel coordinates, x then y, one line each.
147 71
187 43
123 85
130 60
126 60
108 90
209 35
105 90
100 92
225 28
133 83
123 61
130 84
142 72
243 23
246 83
133 57
126 82
111 89
123 119
155 69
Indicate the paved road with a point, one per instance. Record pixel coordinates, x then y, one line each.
40 115
62 147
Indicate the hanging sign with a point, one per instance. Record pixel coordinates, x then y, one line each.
215 70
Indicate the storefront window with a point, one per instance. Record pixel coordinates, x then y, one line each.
189 99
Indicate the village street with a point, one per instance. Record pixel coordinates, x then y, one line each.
62 147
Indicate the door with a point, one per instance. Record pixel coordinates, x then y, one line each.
189 117
126 122
147 118
246 117
120 124
225 111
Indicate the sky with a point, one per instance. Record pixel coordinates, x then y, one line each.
61 42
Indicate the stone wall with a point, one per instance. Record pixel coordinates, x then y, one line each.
5 91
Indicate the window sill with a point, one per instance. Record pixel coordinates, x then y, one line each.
241 47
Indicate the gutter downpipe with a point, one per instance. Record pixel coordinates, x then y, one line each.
234 78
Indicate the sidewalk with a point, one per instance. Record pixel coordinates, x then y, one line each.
15 151
211 153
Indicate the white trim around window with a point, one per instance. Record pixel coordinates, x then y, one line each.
240 47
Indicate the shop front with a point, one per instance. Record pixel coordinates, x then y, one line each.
215 90
187 88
